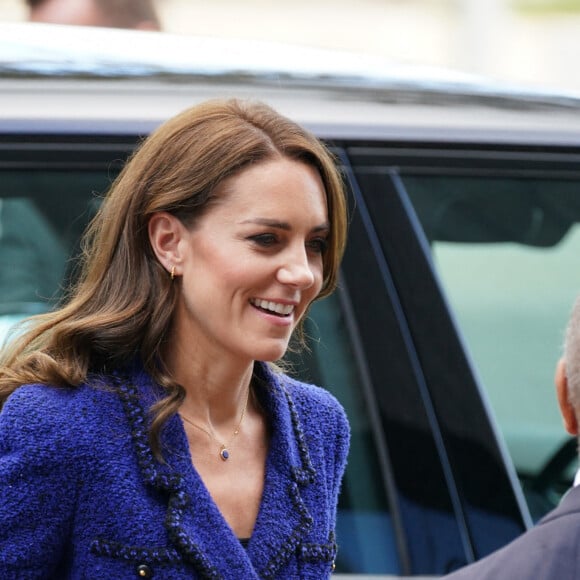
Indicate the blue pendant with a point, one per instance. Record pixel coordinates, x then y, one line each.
224 454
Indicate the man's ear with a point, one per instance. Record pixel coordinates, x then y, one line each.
566 409
165 234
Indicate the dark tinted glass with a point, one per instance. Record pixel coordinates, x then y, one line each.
457 501
42 216
506 251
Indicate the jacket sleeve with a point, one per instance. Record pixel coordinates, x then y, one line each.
37 489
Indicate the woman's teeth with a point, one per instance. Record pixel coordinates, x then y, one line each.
273 307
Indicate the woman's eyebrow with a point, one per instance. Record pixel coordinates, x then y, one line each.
268 222
282 225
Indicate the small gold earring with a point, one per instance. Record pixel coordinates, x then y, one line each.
172 273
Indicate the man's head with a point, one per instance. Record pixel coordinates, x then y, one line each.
137 14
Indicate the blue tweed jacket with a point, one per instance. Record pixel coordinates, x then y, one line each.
83 497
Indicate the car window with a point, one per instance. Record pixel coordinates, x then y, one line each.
42 215
506 250
457 497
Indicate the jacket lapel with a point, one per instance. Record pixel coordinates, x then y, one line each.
199 531
193 522
283 520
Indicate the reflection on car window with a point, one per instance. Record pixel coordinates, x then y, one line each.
506 251
42 215
32 256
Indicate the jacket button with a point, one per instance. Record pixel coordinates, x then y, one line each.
143 571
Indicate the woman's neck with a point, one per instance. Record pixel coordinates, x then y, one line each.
215 391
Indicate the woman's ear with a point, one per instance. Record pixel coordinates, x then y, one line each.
165 234
566 408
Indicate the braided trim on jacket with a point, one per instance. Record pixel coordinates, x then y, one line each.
303 476
102 547
171 484
314 553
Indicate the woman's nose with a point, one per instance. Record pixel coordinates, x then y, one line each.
297 271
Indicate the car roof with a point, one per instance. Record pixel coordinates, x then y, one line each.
78 80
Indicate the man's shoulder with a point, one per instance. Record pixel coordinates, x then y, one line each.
567 511
548 551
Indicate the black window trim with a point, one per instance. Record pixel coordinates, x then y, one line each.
454 494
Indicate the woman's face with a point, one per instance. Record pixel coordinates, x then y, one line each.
253 263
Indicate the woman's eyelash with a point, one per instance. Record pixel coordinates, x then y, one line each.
319 244
264 239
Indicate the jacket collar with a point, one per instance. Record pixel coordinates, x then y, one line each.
194 524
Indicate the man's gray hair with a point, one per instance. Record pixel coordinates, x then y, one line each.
572 354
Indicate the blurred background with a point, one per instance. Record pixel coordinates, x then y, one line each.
534 42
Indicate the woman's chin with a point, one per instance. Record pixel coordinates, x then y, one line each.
271 353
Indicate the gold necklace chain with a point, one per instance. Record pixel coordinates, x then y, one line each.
224 451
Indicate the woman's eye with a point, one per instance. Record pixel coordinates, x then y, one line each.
265 240
319 245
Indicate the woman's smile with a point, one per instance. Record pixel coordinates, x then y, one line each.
277 313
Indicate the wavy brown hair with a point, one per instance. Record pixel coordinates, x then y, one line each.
122 305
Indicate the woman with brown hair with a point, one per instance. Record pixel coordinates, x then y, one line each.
144 429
